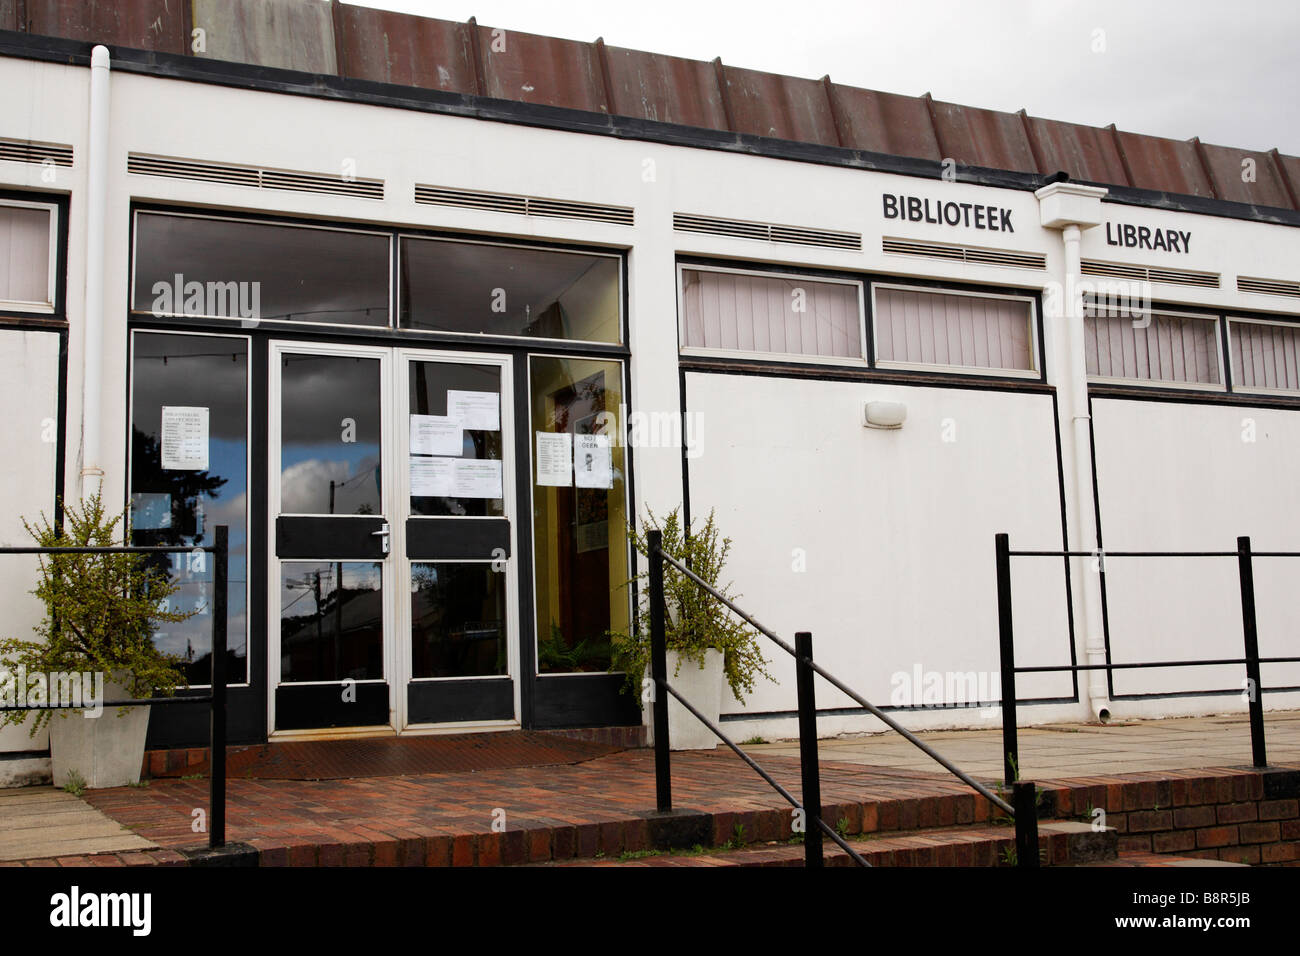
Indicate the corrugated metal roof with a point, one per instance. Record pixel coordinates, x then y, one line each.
468 58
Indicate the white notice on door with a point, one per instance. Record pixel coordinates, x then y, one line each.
592 467
476 478
436 435
555 459
184 438
477 411
432 477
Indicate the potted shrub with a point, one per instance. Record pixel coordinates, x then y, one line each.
100 614
705 641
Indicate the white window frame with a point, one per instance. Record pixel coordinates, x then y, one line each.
860 362
24 305
1157 383
1257 389
1031 373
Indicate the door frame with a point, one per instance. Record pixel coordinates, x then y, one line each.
395 361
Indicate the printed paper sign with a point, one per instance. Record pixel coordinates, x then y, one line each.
555 459
592 467
432 477
436 435
184 438
476 411
476 478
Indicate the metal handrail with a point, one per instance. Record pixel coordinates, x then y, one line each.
220 550
866 704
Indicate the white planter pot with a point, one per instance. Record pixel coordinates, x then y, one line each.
107 751
702 686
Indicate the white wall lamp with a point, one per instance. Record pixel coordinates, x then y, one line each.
884 414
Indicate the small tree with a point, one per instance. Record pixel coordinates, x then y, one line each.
101 611
695 620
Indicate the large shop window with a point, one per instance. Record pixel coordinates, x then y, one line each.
949 330
1170 348
1265 355
189 473
27 257
202 267
579 512
748 312
510 290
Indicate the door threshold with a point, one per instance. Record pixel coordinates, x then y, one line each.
415 730
469 727
331 733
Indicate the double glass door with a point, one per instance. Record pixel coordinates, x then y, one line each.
393 587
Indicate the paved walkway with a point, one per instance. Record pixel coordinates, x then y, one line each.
1071 750
44 822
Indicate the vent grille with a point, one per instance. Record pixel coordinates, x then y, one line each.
288 180
1123 270
1268 286
22 151
767 232
972 254
524 205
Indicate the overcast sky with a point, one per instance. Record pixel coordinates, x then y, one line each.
1227 71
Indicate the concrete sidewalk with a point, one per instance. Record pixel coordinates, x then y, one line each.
1071 750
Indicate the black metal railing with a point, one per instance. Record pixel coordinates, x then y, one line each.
1250 634
220 550
1023 812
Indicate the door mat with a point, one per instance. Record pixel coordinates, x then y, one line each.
395 756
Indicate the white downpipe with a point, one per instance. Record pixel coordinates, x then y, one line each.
1084 517
92 472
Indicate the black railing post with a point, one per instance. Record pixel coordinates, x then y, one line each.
1007 656
1025 802
217 742
659 672
1254 689
809 768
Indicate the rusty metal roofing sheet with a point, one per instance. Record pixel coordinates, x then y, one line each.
977 137
410 51
885 122
1290 166
1165 165
9 15
287 34
667 89
537 69
1085 152
139 24
787 107
1244 175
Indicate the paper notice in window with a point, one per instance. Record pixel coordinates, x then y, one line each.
476 411
476 478
436 435
592 467
184 438
555 459
432 477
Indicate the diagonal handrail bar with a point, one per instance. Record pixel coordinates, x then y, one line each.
840 686
816 817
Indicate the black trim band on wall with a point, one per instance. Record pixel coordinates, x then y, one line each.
326 537
432 539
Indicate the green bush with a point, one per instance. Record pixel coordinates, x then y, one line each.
101 611
695 620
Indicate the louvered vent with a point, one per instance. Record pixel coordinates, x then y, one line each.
1268 286
524 205
288 180
1123 270
972 254
22 151
767 231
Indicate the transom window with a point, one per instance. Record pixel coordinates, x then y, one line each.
1171 348
953 330
27 256
1265 355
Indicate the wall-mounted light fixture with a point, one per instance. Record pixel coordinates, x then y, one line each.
884 414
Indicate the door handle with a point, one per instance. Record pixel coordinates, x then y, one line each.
382 532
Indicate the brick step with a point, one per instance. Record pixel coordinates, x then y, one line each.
1061 843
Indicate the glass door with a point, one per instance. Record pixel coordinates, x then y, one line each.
392 496
459 652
